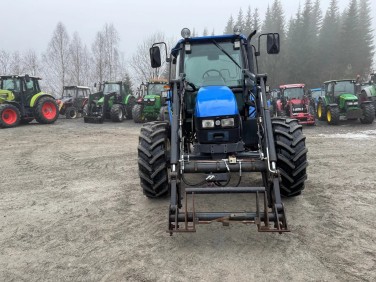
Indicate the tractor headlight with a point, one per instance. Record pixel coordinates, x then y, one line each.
352 103
228 122
207 123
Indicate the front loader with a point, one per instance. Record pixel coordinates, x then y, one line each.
214 85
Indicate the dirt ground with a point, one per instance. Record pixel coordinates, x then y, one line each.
72 210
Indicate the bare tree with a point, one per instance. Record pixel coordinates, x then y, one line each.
4 62
79 69
140 61
15 65
31 62
106 53
56 59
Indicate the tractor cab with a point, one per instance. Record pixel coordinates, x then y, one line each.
73 101
23 87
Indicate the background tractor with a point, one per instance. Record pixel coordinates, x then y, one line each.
149 103
214 83
73 100
22 101
368 91
295 103
114 101
341 102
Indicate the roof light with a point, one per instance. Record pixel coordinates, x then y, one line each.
185 33
237 30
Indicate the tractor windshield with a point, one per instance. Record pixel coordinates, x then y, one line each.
155 88
207 64
316 94
292 93
11 84
110 88
347 86
69 93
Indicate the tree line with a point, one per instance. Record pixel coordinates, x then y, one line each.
314 47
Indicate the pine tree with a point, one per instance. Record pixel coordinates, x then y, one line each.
248 28
349 57
366 46
229 29
329 43
240 20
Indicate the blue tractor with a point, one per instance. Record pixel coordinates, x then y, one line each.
209 131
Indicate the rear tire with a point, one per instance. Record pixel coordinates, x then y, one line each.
368 114
9 116
71 113
137 113
153 159
291 155
46 110
332 115
116 113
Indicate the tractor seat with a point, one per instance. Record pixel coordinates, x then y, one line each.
213 81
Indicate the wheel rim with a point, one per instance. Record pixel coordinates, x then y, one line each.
329 116
9 116
49 110
72 113
319 111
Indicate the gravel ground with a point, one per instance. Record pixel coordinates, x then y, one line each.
72 209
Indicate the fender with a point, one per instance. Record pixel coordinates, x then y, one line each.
36 97
6 95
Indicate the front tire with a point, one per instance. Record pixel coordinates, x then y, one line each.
153 159
137 113
46 110
71 113
332 115
368 114
291 155
9 116
116 113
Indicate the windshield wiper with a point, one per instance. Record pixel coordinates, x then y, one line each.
225 52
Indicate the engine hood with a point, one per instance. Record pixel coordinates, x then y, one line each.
215 101
348 97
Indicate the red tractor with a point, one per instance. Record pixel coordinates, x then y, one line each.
295 103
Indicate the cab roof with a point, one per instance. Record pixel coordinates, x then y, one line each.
76 86
338 80
297 85
18 76
204 39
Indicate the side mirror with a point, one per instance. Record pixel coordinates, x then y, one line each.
27 78
95 85
272 43
155 57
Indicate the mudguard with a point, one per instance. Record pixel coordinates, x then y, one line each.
36 97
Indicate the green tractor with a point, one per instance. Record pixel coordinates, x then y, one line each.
367 91
22 101
114 101
341 102
150 102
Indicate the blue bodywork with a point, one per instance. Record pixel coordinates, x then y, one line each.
215 101
316 94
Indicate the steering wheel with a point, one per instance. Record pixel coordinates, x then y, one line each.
206 74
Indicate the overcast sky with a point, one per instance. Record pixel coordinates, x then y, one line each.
29 24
